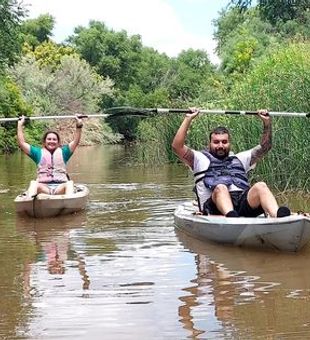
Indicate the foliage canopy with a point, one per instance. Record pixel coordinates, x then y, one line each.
11 14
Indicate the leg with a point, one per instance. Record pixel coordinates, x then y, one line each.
33 188
69 188
260 195
43 189
222 200
61 189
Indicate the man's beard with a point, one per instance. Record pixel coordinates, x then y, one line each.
220 156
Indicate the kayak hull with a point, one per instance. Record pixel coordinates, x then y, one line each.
289 233
44 205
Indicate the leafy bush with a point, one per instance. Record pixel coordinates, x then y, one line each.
11 105
67 85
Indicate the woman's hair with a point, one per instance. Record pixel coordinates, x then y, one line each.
48 132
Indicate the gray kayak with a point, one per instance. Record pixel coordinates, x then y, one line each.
289 233
44 205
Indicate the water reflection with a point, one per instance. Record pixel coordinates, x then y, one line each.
15 253
52 241
246 291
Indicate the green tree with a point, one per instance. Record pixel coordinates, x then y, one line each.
39 30
296 28
243 38
49 53
225 26
113 54
11 14
274 10
73 87
150 82
188 73
148 90
153 71
11 105
242 4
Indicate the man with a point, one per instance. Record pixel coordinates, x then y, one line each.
51 160
221 180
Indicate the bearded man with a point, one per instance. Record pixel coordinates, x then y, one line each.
221 177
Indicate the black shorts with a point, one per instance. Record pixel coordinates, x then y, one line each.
240 203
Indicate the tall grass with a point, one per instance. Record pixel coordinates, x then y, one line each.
279 82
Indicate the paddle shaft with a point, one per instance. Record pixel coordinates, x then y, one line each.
230 112
121 111
15 119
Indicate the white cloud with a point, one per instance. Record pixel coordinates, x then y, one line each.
154 20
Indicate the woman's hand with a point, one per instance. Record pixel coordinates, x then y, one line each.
21 120
20 135
79 122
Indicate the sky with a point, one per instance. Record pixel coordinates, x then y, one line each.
169 26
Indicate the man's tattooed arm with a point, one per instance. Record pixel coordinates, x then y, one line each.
188 157
265 143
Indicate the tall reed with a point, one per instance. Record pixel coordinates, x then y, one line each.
279 82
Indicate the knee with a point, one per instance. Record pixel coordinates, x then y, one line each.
220 189
260 186
69 188
42 188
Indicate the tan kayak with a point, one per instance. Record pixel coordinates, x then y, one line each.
44 205
289 233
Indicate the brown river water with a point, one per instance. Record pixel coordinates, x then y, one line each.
120 270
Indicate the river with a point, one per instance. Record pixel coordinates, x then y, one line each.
120 270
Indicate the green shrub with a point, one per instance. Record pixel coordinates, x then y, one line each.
11 105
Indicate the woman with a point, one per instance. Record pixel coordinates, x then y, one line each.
51 160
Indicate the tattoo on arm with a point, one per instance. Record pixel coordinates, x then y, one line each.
265 145
188 157
266 140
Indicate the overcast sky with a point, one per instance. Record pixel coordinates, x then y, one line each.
168 26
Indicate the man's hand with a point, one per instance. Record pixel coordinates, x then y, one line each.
178 143
264 116
194 112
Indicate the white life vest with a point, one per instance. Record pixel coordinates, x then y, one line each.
52 167
225 171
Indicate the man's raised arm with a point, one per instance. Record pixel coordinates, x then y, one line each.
266 139
185 154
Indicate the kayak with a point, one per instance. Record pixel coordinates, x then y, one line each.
44 205
289 233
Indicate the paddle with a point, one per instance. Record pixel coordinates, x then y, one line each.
227 112
111 112
146 112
